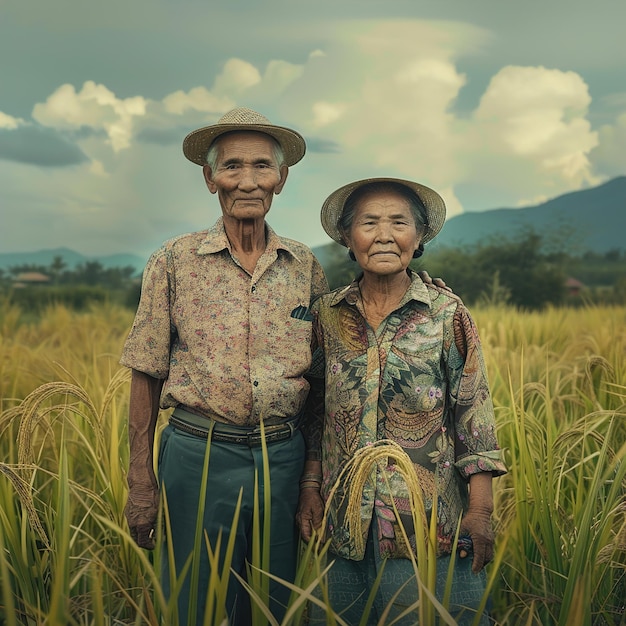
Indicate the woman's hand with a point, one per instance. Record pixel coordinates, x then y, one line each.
477 521
477 524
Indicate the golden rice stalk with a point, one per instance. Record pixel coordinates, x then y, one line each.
596 366
24 493
119 379
357 471
617 546
32 415
7 417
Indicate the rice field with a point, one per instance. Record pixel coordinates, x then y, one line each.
558 380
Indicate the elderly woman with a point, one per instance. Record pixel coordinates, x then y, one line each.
402 362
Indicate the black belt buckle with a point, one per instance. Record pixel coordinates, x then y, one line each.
255 437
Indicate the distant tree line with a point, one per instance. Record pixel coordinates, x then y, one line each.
88 273
76 287
527 271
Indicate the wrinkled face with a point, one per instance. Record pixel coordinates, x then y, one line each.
246 175
383 235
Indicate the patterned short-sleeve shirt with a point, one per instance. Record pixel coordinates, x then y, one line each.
228 344
418 380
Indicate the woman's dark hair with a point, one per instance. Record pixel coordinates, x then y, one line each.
415 204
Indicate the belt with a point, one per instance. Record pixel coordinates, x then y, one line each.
206 428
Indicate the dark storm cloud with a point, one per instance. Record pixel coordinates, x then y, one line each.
35 145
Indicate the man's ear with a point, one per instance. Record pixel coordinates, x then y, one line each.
284 172
208 178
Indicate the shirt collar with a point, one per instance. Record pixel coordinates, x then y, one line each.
216 241
351 293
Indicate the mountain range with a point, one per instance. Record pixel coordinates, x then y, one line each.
592 219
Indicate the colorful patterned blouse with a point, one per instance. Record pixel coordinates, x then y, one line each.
230 345
420 381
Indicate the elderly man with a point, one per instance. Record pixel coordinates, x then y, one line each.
222 335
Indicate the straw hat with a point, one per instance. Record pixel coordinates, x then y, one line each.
196 144
334 204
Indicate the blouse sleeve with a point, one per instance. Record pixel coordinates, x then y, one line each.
471 408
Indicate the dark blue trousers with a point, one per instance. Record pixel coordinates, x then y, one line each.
231 468
350 583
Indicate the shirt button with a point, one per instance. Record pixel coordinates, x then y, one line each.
256 383
253 288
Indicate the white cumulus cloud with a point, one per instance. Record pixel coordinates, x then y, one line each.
325 113
279 75
196 99
539 115
610 154
9 122
94 106
383 91
236 77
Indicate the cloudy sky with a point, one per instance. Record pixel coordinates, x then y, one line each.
492 103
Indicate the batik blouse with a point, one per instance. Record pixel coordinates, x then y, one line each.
418 380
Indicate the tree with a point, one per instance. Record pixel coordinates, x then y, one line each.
90 273
14 270
524 269
527 275
56 268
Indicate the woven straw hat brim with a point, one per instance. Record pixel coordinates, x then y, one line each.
196 144
334 204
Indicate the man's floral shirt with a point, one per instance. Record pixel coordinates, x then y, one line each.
230 345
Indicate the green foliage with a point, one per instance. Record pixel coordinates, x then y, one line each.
563 505
88 273
522 274
532 279
34 300
527 271
601 269
339 268
132 296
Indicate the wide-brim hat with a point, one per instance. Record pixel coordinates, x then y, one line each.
333 206
196 144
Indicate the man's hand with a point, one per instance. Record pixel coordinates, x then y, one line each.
141 513
477 524
142 506
310 512
438 282
143 536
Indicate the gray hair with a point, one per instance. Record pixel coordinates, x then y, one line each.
418 210
211 155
